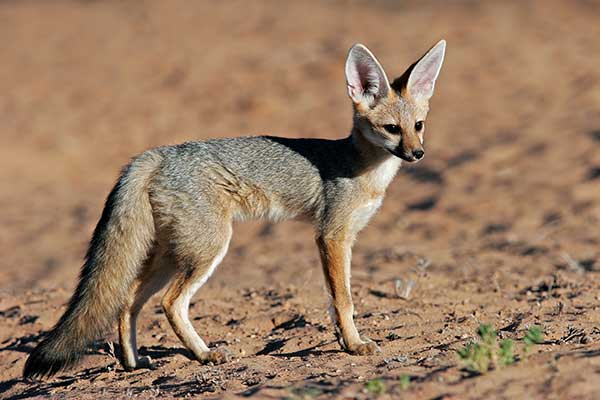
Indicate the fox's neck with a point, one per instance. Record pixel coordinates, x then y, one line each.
378 167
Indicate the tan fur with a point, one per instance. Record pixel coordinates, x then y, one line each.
335 257
168 221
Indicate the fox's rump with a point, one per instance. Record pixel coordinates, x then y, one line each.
119 245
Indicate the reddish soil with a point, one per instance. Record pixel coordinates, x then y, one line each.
505 206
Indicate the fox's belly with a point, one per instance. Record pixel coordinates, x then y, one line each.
257 204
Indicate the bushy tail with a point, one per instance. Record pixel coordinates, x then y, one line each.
119 246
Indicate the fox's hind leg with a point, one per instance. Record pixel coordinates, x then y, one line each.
154 276
196 260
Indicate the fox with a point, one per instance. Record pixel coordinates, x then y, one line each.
168 220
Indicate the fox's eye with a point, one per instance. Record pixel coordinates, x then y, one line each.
419 126
391 128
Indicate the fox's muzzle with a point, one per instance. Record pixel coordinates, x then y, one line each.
412 156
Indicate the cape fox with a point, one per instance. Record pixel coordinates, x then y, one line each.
168 220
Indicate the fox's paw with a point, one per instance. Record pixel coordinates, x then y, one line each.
145 362
220 355
366 348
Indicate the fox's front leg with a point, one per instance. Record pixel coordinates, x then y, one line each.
335 256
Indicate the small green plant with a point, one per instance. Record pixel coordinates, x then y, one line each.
404 381
475 357
534 335
304 393
506 355
375 386
487 353
487 334
479 356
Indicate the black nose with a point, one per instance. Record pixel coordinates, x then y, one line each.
418 154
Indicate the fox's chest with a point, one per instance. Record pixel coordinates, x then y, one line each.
379 178
363 214
373 186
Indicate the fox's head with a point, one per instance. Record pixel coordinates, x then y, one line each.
393 116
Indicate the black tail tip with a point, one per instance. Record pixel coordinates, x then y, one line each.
43 364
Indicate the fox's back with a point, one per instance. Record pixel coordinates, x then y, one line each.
262 176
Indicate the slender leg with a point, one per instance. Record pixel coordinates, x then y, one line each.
153 278
335 257
192 273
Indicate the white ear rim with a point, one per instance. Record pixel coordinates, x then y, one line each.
352 74
434 58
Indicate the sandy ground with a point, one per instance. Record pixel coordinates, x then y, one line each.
506 205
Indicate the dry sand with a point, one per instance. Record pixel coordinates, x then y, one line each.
506 204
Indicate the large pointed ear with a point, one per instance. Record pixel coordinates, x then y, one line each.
365 77
420 81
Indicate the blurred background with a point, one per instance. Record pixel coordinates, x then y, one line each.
508 193
84 85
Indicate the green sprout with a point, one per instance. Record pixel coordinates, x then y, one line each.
404 381
534 335
302 393
375 386
476 357
506 354
486 353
